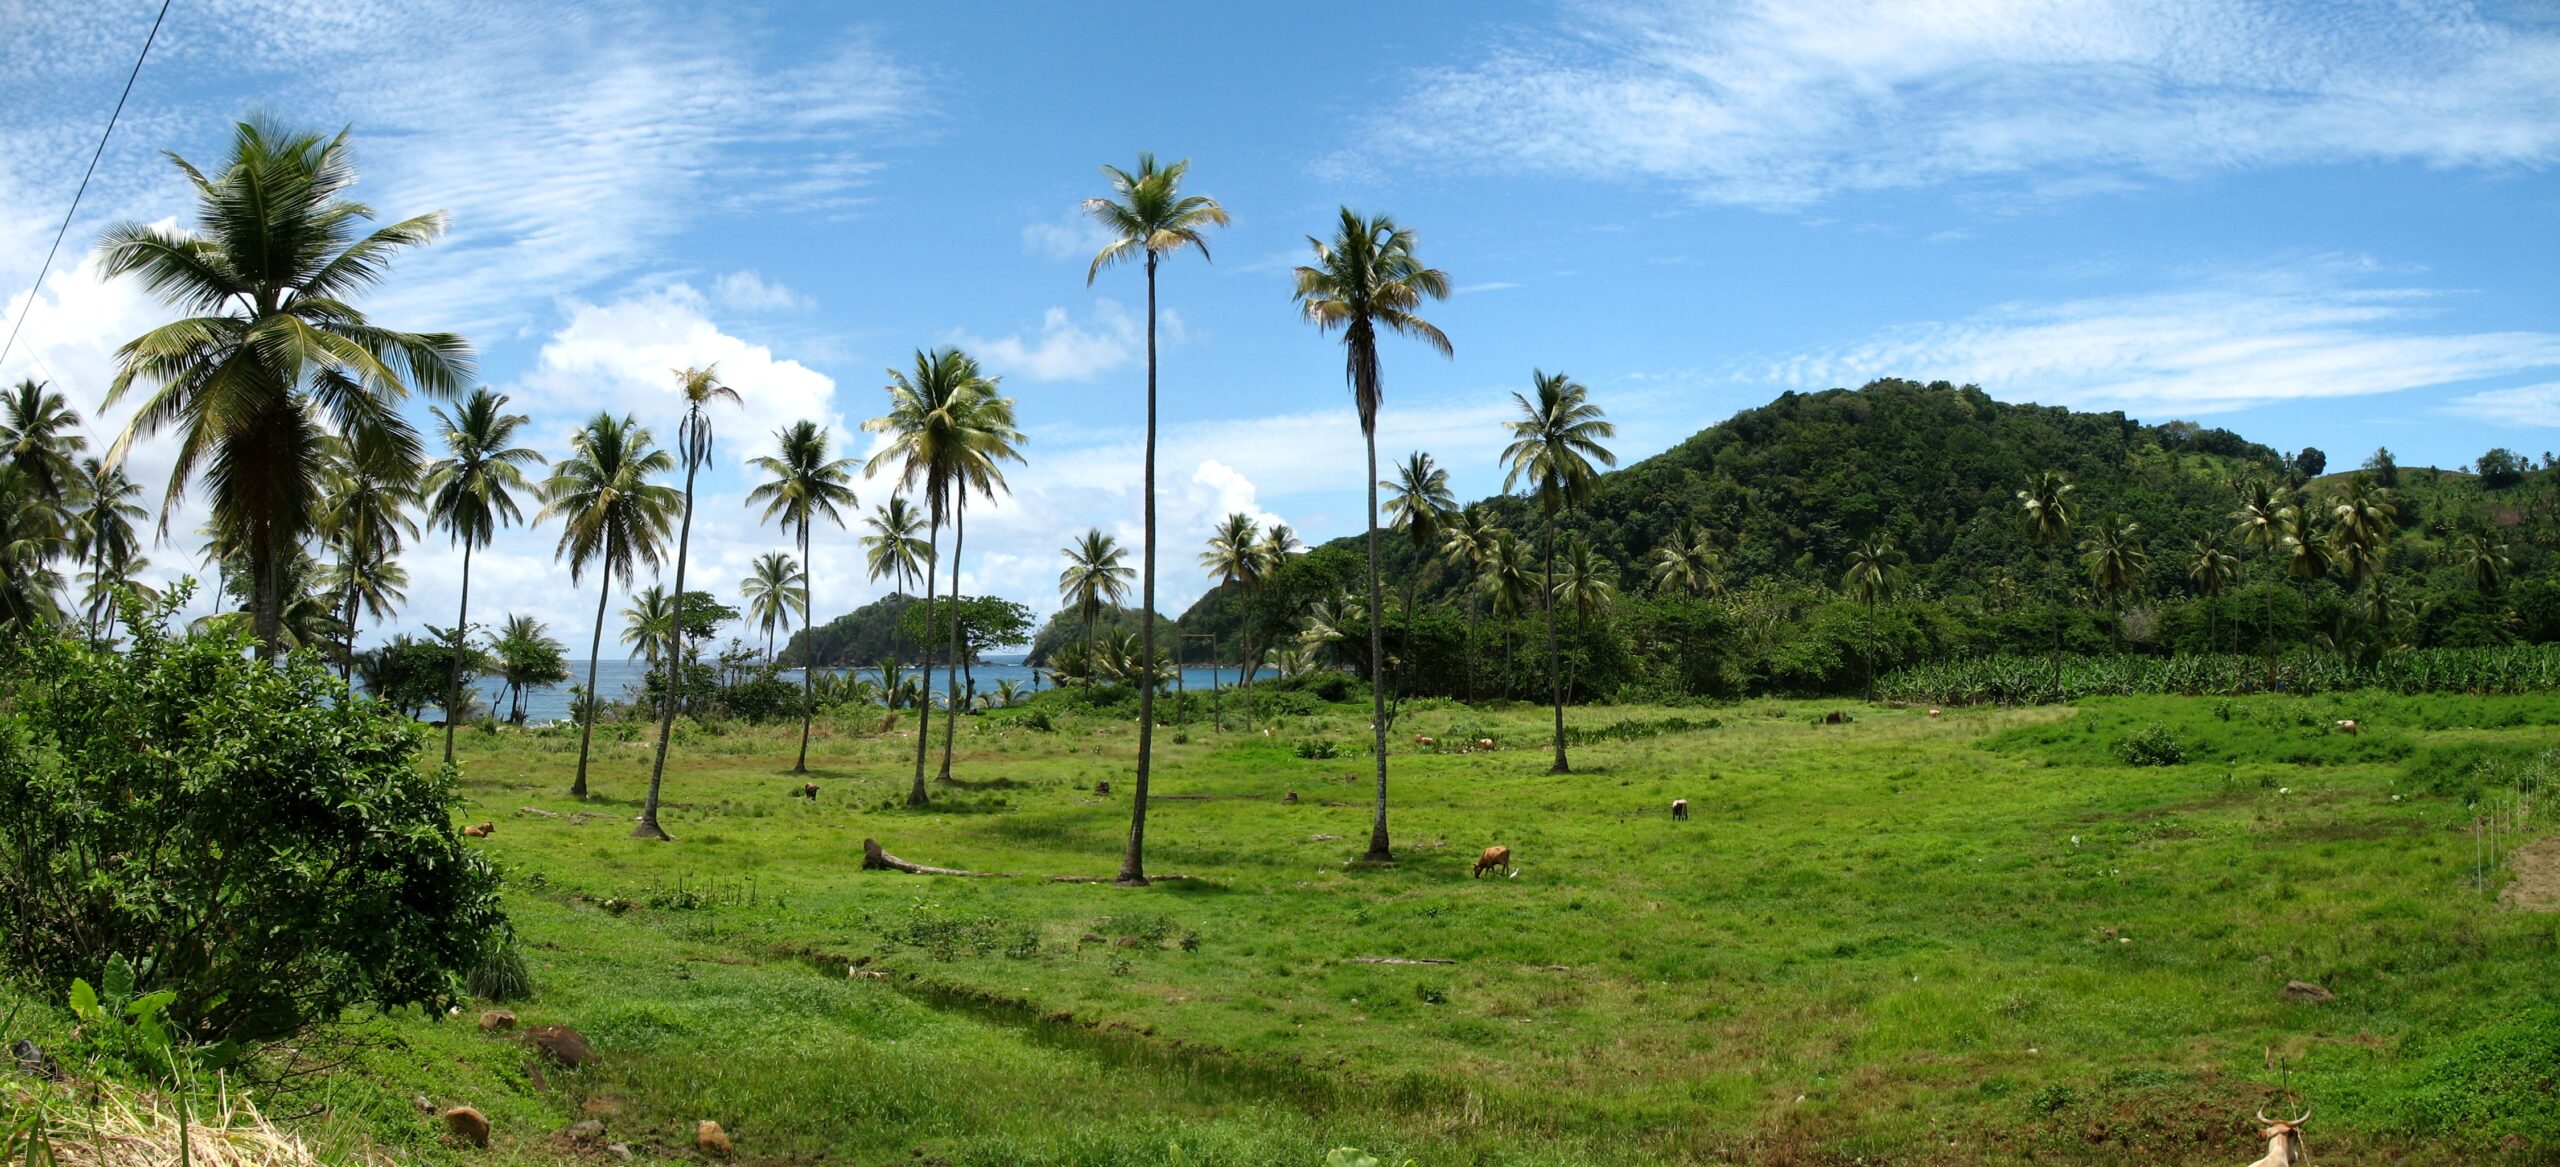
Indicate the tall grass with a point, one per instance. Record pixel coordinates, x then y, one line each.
2026 680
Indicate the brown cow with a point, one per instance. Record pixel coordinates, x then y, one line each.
1496 856
479 830
1680 808
809 790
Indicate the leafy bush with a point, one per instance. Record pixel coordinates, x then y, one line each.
261 846
1316 748
2154 745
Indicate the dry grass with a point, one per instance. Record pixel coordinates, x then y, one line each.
107 1124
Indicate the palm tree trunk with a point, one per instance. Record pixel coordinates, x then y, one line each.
461 621
808 662
1409 583
1555 655
347 667
959 657
1133 862
595 649
924 704
648 827
1378 849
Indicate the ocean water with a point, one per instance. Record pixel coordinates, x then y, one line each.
617 678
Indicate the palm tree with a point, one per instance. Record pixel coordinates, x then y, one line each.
1553 445
777 592
949 431
1149 218
1279 544
2047 506
612 515
893 551
1235 557
1510 581
1468 543
279 356
1685 563
2211 568
31 537
38 438
103 536
801 485
1870 578
2483 561
699 388
1585 582
1096 574
2114 559
1420 505
527 656
471 493
648 629
371 582
1365 279
2260 527
365 517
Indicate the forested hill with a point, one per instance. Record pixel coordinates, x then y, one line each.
1786 489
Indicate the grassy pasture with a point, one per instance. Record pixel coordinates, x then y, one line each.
1975 938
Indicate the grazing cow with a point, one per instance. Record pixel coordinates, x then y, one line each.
479 830
1484 743
1425 742
1101 788
1680 809
2347 726
1933 713
2284 1140
709 1139
809 790
1493 857
1290 798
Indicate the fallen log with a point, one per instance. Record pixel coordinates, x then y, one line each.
1401 960
1112 878
875 859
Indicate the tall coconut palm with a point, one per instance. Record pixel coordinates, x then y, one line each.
471 493
1554 442
649 629
802 484
527 656
2048 509
949 433
1367 278
2114 559
2484 561
1870 578
366 580
1149 219
31 538
278 355
1585 583
699 388
2210 569
1279 545
614 516
103 536
2259 526
1234 556
1685 563
1097 573
364 517
1419 504
777 592
1510 582
40 438
893 550
1467 542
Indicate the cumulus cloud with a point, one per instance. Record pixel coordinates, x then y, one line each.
1064 350
1071 236
1777 103
746 291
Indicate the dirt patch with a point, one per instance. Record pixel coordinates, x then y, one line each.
2536 887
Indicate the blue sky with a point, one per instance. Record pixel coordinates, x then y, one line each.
2321 224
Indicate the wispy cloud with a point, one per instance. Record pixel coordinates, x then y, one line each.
1778 103
2225 344
1064 350
2535 405
1487 286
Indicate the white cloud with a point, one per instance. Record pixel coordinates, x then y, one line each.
2537 405
2230 344
1487 286
622 356
747 291
1782 102
1067 351
1071 236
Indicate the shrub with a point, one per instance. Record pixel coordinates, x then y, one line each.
261 846
1317 748
2153 745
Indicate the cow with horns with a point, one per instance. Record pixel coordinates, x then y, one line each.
2284 1139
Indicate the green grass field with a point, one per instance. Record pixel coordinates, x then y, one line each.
1977 938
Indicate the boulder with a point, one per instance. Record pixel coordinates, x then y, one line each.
2306 993
709 1139
468 1125
584 1132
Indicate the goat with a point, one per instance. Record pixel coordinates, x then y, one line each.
1493 857
1680 809
2284 1140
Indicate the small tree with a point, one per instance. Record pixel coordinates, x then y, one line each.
242 833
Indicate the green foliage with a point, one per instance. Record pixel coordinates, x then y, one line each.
986 623
2152 745
2498 1080
265 849
129 1031
2029 680
1316 748
862 637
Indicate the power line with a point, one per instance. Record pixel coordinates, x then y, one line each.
84 181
